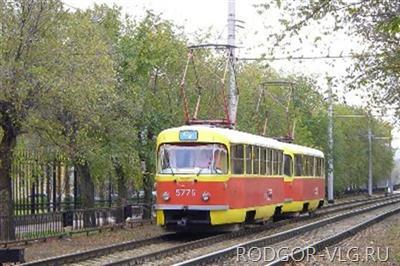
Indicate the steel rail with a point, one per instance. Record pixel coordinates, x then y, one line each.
130 245
279 237
79 256
329 241
197 244
353 201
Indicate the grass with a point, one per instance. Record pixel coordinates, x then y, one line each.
390 237
41 234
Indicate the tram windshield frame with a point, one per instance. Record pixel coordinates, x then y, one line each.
197 159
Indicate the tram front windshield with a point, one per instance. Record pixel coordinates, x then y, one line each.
196 159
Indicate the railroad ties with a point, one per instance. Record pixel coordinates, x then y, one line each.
336 221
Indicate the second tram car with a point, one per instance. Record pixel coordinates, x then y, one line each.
210 177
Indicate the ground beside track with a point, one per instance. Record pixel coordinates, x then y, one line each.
77 243
264 255
385 234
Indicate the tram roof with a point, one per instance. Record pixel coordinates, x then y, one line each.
298 149
232 135
235 136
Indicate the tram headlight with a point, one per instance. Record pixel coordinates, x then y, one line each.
166 196
205 196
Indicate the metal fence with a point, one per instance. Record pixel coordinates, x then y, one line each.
45 225
44 184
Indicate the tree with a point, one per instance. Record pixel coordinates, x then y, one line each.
73 117
375 23
152 56
48 62
310 113
29 50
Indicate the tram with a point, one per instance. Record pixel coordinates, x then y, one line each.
218 178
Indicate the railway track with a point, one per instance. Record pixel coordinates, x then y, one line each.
173 248
306 239
347 202
333 239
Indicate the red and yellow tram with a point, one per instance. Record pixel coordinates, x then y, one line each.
211 177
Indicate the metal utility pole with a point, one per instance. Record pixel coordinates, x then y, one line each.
330 145
369 155
233 95
371 138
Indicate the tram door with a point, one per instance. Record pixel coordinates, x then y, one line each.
288 178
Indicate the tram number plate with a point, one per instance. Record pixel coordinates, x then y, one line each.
185 192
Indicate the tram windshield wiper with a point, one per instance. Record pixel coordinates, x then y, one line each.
198 173
169 165
208 166
172 171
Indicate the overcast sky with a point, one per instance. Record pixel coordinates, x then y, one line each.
206 15
212 14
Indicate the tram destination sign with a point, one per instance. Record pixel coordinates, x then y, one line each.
188 135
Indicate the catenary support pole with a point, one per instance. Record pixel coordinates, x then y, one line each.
369 155
233 95
330 145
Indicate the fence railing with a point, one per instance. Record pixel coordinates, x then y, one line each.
36 226
43 181
47 207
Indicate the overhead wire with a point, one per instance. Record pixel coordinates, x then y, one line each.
321 57
70 6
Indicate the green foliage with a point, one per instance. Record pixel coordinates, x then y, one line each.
376 23
310 113
73 117
110 85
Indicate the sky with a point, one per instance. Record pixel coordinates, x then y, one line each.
211 15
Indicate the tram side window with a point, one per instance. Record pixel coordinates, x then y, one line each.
312 166
288 165
263 161
256 160
306 165
272 158
318 168
320 171
280 162
309 166
276 162
298 163
237 160
268 161
248 159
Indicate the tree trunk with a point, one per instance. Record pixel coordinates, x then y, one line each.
7 144
146 165
86 188
121 183
102 194
67 187
148 195
122 191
